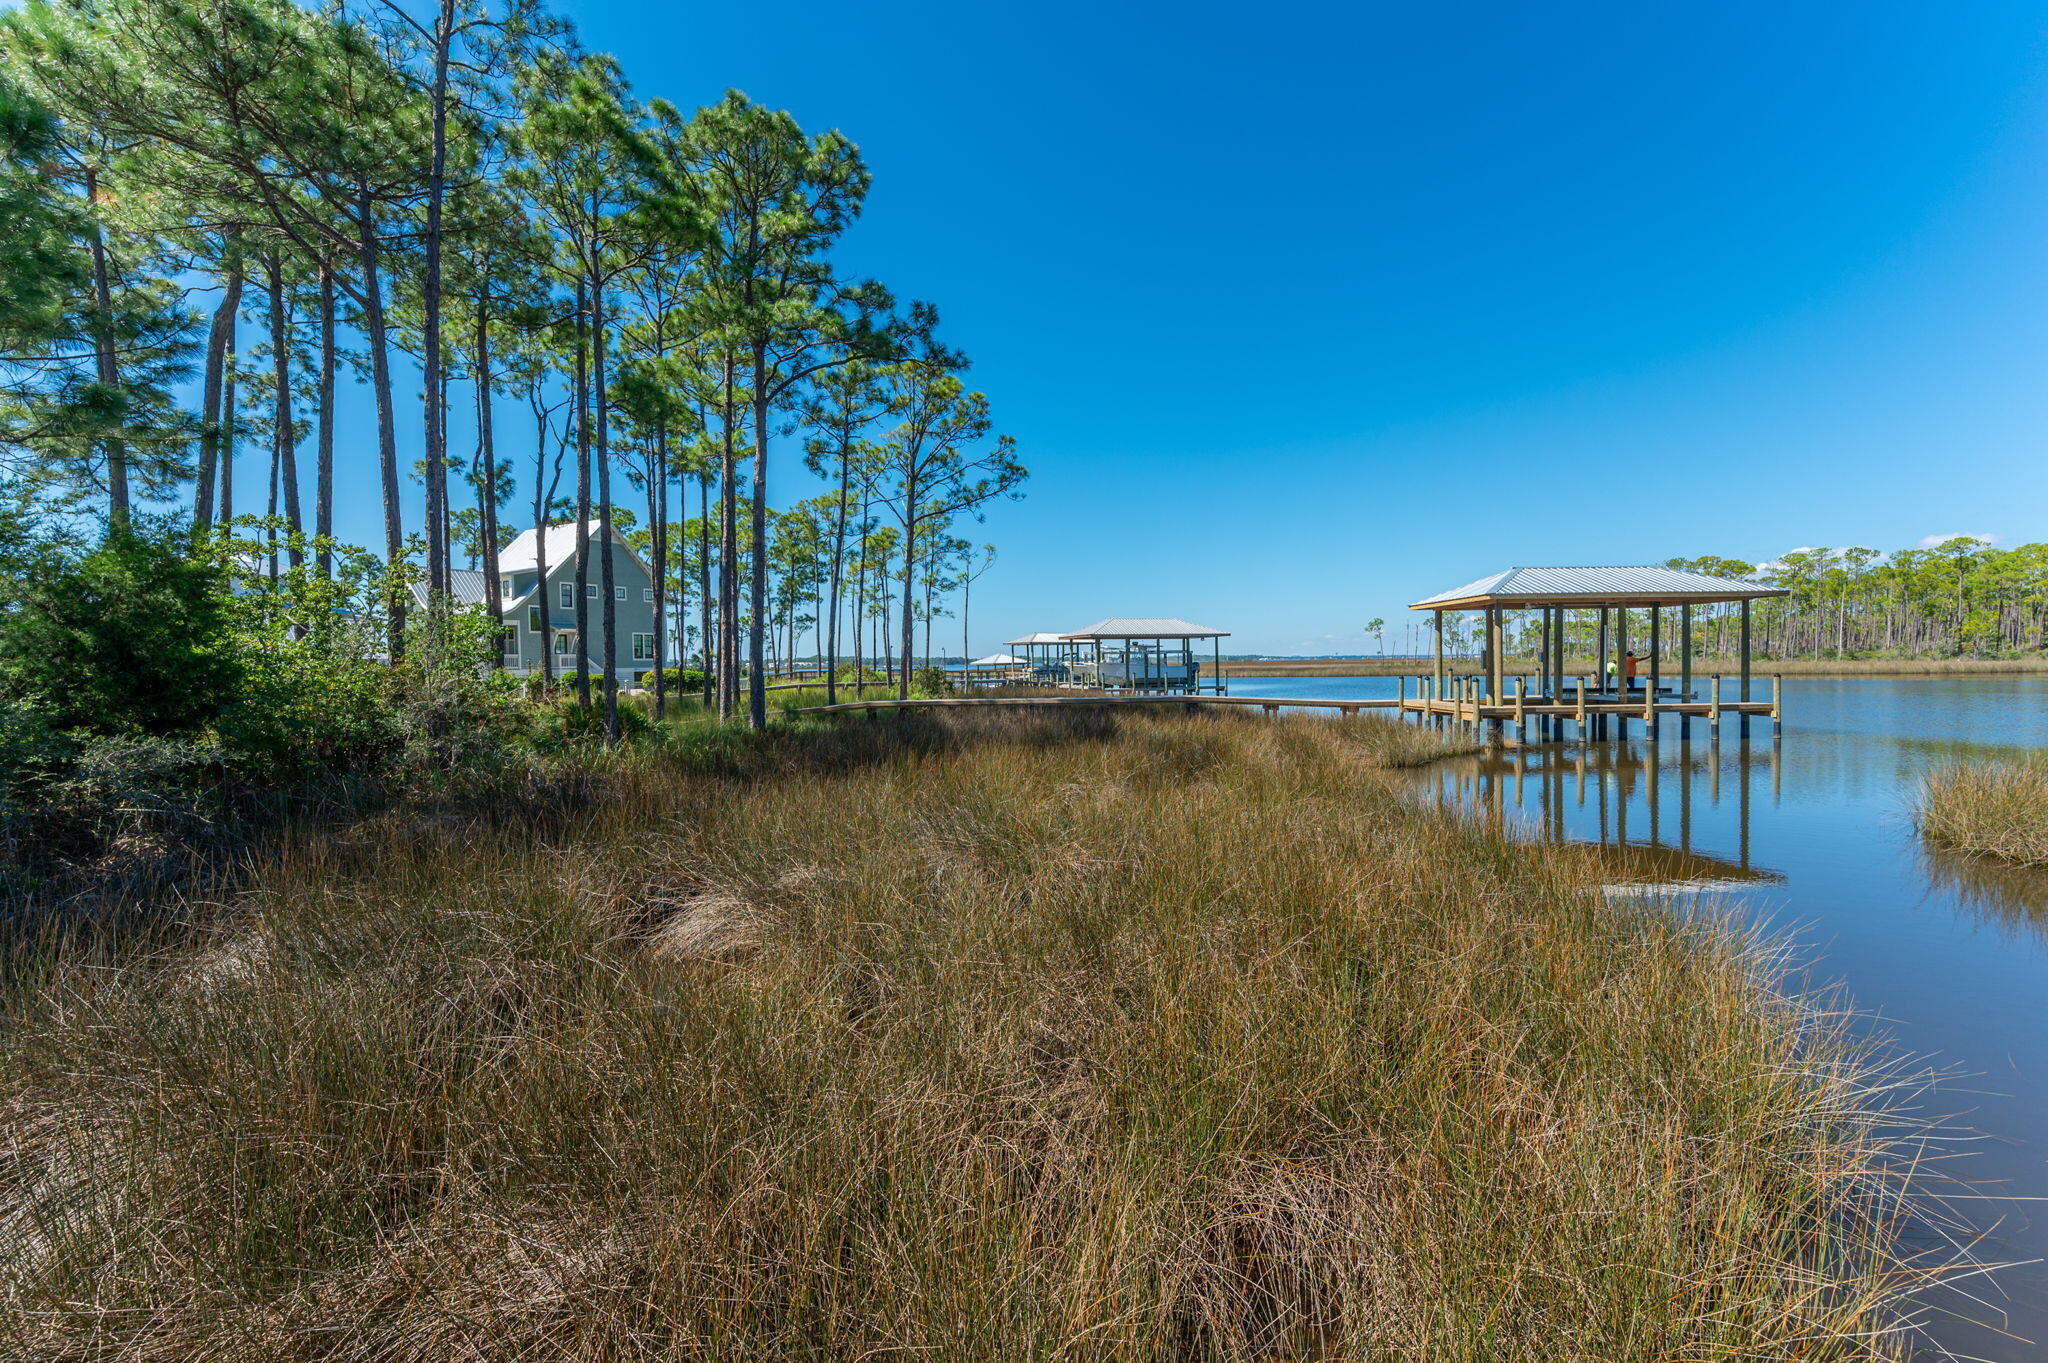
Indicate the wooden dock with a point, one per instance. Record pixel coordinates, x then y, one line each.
1266 703
1592 713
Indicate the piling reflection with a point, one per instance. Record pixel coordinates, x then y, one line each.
1657 814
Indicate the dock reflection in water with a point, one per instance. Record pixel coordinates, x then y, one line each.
1654 812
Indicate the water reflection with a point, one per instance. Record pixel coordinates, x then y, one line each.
1639 805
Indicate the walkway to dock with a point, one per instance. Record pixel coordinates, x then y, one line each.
1594 714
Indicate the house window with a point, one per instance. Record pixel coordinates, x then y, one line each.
618 593
647 595
504 586
533 618
509 642
590 590
565 643
643 647
568 595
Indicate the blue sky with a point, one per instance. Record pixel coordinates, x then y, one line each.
1300 313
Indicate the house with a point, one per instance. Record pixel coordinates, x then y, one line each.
522 597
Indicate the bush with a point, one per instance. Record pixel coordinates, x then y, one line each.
678 679
932 682
134 637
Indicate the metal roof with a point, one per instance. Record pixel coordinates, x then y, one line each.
1039 638
465 586
1638 585
1146 627
522 554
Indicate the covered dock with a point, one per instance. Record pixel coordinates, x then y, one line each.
1049 658
1148 653
1610 696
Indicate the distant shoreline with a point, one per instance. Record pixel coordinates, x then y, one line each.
1702 667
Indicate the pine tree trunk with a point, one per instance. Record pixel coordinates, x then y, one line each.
487 474
728 553
657 517
228 414
540 549
607 570
439 577
582 495
757 683
284 445
704 611
909 580
210 391
105 367
387 428
323 495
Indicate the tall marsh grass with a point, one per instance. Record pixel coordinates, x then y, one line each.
946 1036
1995 808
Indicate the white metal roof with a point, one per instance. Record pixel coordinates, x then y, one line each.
1039 638
996 660
520 555
1147 627
1635 585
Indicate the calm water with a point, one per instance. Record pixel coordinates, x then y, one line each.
1813 834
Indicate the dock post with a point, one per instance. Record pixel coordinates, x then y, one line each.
1777 705
1580 717
1521 717
1621 672
1714 709
1400 697
1744 694
1656 669
1685 667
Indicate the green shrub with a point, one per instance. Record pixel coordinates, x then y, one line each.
931 682
134 637
682 679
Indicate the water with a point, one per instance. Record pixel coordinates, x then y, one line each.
1813 834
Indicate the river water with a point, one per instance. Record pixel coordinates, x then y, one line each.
1813 834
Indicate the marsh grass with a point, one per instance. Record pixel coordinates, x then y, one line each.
1995 808
1016 1035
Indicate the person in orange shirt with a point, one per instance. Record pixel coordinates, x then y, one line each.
1628 670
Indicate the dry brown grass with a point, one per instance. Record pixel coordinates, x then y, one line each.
976 1036
1996 808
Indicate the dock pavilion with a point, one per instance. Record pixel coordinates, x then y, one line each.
1134 653
1611 592
1050 657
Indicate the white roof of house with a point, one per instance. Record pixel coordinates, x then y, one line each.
1039 638
522 556
1642 584
1146 627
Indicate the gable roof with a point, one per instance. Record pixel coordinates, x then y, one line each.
1146 627
1041 637
522 554
1633 585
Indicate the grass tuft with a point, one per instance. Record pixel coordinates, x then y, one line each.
1996 808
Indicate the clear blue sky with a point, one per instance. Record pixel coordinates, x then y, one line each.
1300 313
